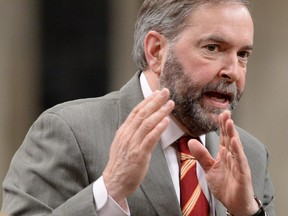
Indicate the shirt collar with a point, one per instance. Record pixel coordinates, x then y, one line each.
173 131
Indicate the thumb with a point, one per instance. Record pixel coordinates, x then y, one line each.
201 154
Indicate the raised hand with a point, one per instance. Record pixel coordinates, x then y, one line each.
228 176
133 145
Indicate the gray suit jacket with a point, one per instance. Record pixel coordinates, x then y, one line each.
66 150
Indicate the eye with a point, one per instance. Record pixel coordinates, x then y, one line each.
212 47
244 54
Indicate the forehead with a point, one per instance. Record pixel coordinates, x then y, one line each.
229 20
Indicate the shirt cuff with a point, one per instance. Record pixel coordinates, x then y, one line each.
105 204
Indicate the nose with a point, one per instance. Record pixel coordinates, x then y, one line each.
230 69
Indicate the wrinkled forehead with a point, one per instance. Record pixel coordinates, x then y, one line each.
219 11
212 4
229 22
220 14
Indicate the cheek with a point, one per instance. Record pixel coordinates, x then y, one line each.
240 86
241 82
199 70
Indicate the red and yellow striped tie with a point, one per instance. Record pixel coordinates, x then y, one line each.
192 198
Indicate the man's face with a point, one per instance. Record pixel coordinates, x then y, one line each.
205 69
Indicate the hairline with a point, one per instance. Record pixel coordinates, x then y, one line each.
172 38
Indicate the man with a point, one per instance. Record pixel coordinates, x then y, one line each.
102 156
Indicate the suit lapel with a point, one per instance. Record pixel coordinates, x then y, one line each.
129 96
158 185
212 144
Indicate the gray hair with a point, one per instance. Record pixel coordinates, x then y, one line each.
168 17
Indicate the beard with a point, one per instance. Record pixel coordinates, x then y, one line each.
189 109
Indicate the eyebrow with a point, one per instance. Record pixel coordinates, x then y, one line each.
220 40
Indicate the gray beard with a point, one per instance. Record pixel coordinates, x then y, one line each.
187 96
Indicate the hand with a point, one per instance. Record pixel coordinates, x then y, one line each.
228 176
134 143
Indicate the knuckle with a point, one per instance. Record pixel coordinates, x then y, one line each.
134 155
141 114
119 133
147 124
151 139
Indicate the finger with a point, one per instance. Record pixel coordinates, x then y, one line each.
142 110
139 107
233 134
230 133
236 153
145 107
201 154
223 154
151 122
239 155
228 160
224 116
230 129
222 121
152 138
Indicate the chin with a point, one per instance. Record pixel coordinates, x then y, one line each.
214 118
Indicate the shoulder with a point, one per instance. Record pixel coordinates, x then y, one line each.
256 152
124 99
84 105
81 116
84 110
249 141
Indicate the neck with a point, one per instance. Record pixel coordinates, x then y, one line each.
152 79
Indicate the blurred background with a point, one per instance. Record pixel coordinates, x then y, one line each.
57 50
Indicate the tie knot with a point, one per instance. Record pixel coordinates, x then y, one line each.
182 144
183 148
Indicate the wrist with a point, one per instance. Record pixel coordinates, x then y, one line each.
261 210
114 188
257 212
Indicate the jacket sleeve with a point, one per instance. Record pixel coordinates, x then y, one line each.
47 175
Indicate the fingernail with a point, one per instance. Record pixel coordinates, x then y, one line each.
169 104
164 92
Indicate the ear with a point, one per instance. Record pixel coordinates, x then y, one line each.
155 46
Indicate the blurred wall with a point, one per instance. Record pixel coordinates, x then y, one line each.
19 75
262 111
124 14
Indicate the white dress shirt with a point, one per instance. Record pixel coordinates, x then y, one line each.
106 206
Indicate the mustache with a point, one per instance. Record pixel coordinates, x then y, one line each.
228 89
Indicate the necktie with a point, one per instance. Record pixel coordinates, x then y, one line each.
192 198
